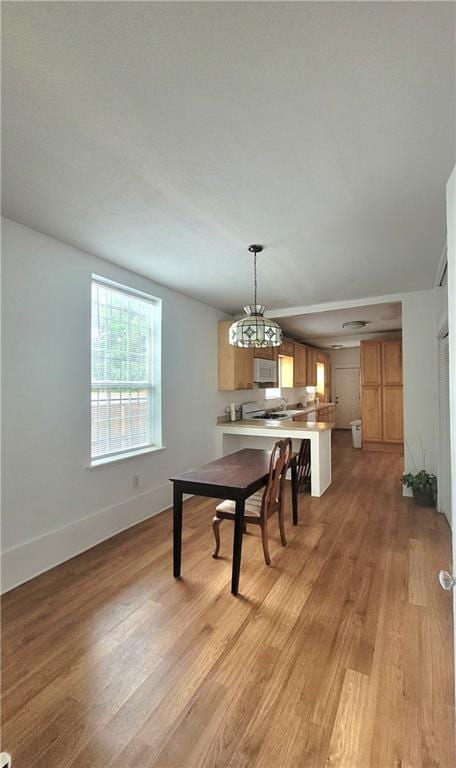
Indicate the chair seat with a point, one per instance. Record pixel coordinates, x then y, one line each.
252 506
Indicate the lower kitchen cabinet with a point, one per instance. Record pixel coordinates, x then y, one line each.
371 413
392 405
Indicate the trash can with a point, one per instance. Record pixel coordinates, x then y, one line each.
356 433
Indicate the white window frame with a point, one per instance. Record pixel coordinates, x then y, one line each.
154 385
272 393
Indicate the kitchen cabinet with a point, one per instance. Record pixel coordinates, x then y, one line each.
392 415
392 363
381 391
266 353
300 366
235 365
371 363
326 414
301 417
311 367
371 415
287 348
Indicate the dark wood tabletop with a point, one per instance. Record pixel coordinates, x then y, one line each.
240 470
235 476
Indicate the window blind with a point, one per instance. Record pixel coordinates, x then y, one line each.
122 370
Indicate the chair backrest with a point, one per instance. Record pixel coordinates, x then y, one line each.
278 466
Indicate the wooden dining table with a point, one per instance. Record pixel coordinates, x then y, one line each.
236 477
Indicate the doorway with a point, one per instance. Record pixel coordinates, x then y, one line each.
346 394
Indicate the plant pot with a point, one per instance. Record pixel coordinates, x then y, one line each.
423 499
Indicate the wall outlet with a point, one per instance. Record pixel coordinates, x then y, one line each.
135 481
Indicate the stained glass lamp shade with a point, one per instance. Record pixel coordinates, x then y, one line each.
255 330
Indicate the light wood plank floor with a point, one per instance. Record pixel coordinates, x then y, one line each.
337 655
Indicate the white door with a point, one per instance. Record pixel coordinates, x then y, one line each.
444 490
346 395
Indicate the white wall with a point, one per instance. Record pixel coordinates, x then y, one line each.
53 505
420 369
451 240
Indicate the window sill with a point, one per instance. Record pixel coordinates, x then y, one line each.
122 456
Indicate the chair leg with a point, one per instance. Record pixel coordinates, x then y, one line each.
264 540
282 525
216 528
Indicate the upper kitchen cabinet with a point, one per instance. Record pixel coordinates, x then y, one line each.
392 363
311 367
287 348
371 365
300 366
266 353
235 365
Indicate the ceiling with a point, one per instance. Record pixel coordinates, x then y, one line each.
324 329
168 136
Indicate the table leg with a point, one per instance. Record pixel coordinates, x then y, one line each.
177 530
294 490
237 545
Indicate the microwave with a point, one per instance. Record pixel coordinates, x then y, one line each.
264 371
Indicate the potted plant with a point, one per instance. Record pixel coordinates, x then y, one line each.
424 487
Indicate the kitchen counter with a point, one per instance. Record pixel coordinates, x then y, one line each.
309 408
286 425
262 433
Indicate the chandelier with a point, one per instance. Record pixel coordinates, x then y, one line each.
255 330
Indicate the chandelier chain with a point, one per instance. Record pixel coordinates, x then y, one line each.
254 279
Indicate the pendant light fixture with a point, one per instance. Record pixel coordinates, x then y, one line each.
255 330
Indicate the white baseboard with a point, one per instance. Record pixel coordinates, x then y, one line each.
28 560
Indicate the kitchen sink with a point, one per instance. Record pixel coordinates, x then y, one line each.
273 416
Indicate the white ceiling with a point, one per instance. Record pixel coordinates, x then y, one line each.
323 329
166 137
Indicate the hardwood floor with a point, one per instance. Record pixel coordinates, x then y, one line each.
340 654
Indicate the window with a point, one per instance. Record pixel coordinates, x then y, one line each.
321 379
286 367
285 377
125 364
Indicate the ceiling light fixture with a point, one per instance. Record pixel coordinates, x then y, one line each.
255 330
337 346
354 324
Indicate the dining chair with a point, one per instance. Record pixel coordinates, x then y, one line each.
260 506
304 466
